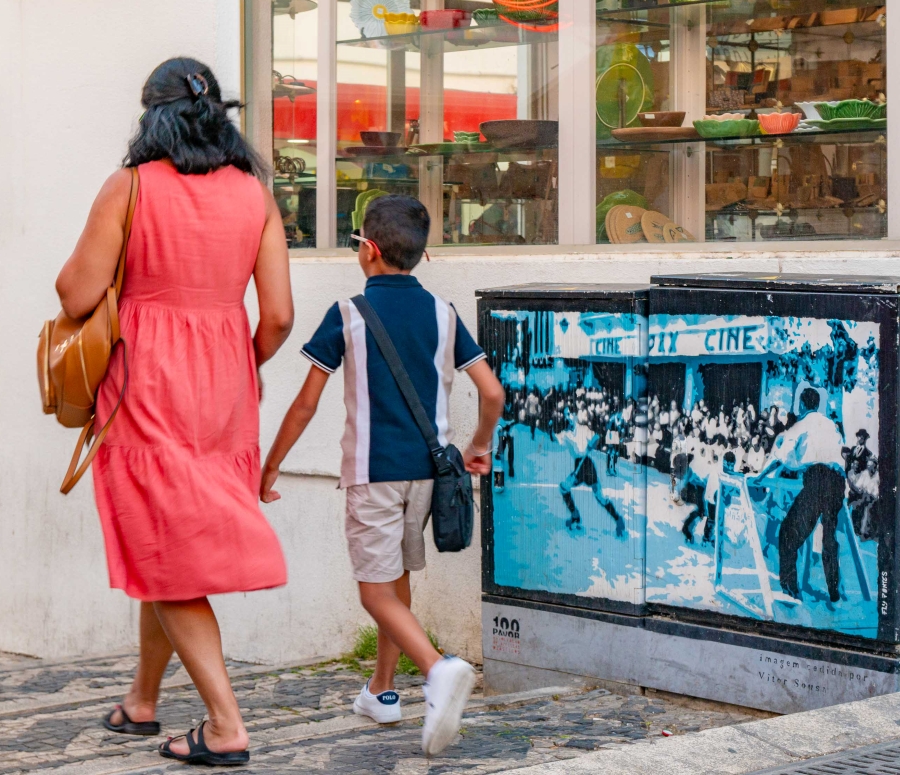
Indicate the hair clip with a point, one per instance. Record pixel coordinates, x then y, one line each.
197 84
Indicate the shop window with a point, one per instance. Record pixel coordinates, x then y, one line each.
741 121
456 106
713 120
294 88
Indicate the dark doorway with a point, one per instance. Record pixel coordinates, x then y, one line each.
725 384
611 377
666 381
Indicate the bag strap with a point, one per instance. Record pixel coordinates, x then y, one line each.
401 376
132 203
73 476
75 471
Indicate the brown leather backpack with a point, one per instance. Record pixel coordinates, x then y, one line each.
72 359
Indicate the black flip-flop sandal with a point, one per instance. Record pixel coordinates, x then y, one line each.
199 753
129 727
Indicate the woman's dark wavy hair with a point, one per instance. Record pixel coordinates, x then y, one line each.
192 129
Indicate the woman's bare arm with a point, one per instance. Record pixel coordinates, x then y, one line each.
91 268
273 286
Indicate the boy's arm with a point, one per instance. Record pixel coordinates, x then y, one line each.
491 399
293 425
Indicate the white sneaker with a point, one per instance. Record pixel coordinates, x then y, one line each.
383 708
450 683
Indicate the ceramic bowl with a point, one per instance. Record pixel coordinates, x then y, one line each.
736 128
445 20
725 117
401 23
851 109
811 109
486 17
778 123
521 134
380 139
662 118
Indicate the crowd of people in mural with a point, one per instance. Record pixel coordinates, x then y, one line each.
693 448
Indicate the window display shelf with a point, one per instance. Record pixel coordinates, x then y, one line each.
845 137
752 16
460 39
801 224
477 154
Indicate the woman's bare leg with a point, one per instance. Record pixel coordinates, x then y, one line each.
156 651
194 632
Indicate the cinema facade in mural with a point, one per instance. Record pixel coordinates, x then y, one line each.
566 513
720 456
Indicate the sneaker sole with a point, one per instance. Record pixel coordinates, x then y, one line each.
360 711
448 725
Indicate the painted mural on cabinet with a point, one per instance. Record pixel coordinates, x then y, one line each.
568 481
727 464
769 505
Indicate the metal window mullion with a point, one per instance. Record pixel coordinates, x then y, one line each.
326 127
687 197
258 77
577 123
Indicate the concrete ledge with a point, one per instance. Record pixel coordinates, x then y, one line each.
746 748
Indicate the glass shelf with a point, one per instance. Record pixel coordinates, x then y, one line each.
503 154
460 39
846 137
725 12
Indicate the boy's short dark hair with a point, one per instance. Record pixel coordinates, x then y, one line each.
399 225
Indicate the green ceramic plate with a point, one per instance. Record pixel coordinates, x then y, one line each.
622 65
851 109
624 197
735 128
849 124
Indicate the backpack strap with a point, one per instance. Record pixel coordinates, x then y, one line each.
132 203
75 471
401 377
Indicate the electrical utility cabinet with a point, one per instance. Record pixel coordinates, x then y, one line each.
694 488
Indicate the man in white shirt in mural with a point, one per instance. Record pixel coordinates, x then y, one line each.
811 447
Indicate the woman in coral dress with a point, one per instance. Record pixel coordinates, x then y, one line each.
177 478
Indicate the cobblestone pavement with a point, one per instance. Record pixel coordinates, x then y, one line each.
301 721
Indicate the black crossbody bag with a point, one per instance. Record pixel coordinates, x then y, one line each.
452 503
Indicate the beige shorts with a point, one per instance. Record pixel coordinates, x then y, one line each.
385 528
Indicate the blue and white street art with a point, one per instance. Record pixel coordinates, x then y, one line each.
767 505
568 483
726 464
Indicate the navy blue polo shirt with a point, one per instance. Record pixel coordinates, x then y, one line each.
382 442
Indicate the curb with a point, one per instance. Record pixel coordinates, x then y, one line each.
745 748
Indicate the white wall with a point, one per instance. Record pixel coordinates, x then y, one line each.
70 82
70 78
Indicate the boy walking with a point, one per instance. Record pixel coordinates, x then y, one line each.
387 468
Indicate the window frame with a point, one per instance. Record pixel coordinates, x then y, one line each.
577 192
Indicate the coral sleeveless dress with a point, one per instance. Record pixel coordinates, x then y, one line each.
177 479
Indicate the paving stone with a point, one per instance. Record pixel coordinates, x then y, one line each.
494 738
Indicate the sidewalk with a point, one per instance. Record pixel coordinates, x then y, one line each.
300 720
